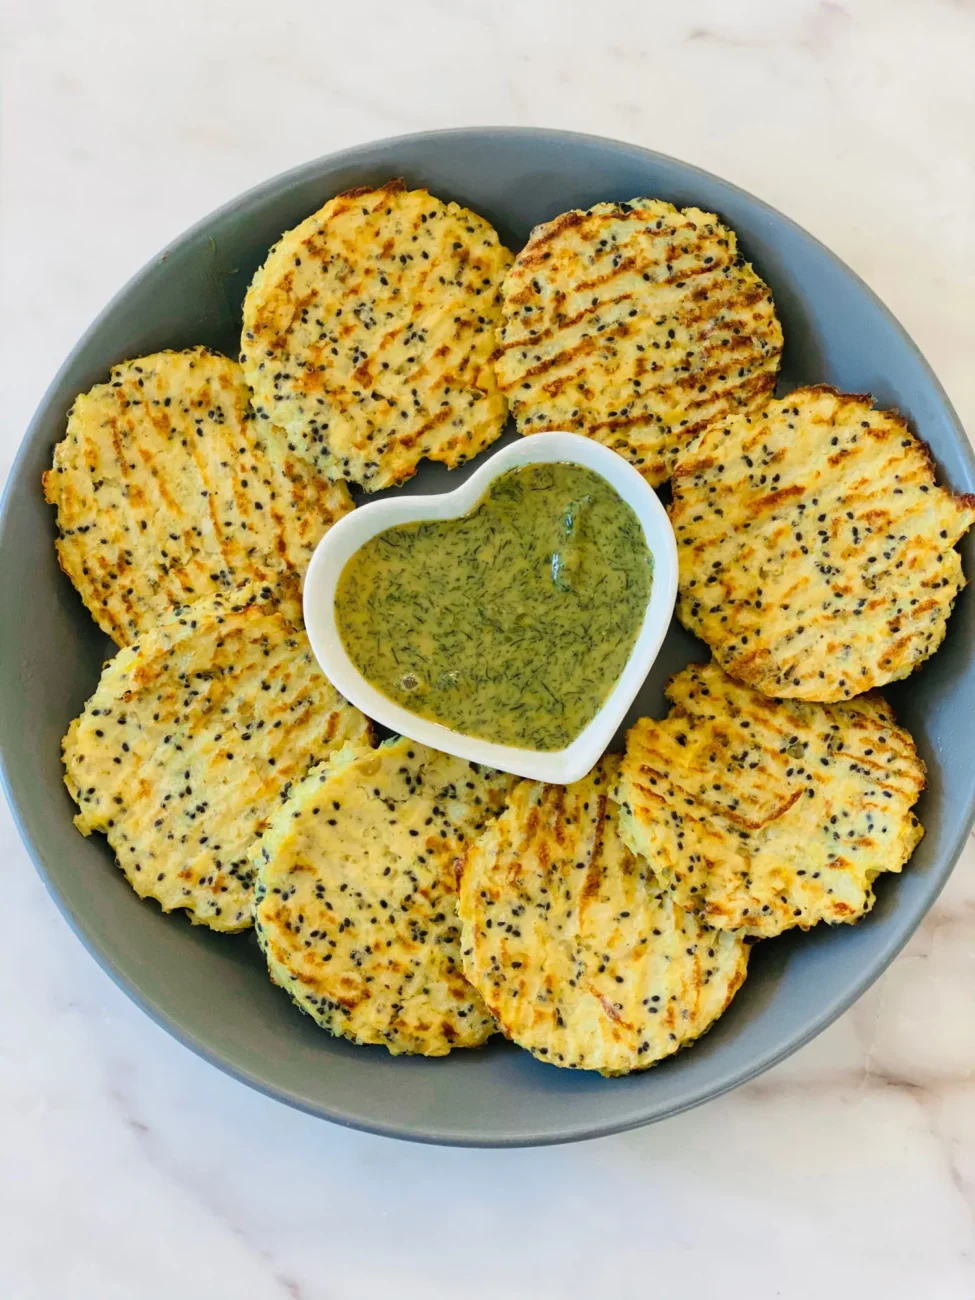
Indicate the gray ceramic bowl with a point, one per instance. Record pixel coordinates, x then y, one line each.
211 991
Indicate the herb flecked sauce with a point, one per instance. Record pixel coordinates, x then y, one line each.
511 623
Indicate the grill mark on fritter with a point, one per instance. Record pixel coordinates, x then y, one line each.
557 813
533 253
583 347
717 314
594 867
395 185
608 1008
198 452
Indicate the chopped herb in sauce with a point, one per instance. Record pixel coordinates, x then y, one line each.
511 623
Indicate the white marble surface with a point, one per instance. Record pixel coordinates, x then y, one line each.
132 1171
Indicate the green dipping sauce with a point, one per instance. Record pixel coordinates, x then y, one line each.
511 623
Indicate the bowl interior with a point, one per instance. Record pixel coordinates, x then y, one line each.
212 990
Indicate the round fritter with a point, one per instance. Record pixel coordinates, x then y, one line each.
190 743
816 550
356 896
368 335
166 492
567 938
638 325
767 814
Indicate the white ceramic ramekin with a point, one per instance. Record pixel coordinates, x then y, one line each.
352 531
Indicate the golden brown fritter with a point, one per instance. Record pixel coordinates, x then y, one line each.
368 335
817 552
766 814
575 951
189 744
357 896
166 492
638 325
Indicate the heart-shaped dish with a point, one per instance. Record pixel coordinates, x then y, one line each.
355 529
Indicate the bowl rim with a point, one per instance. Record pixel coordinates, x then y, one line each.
355 529
718 1084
